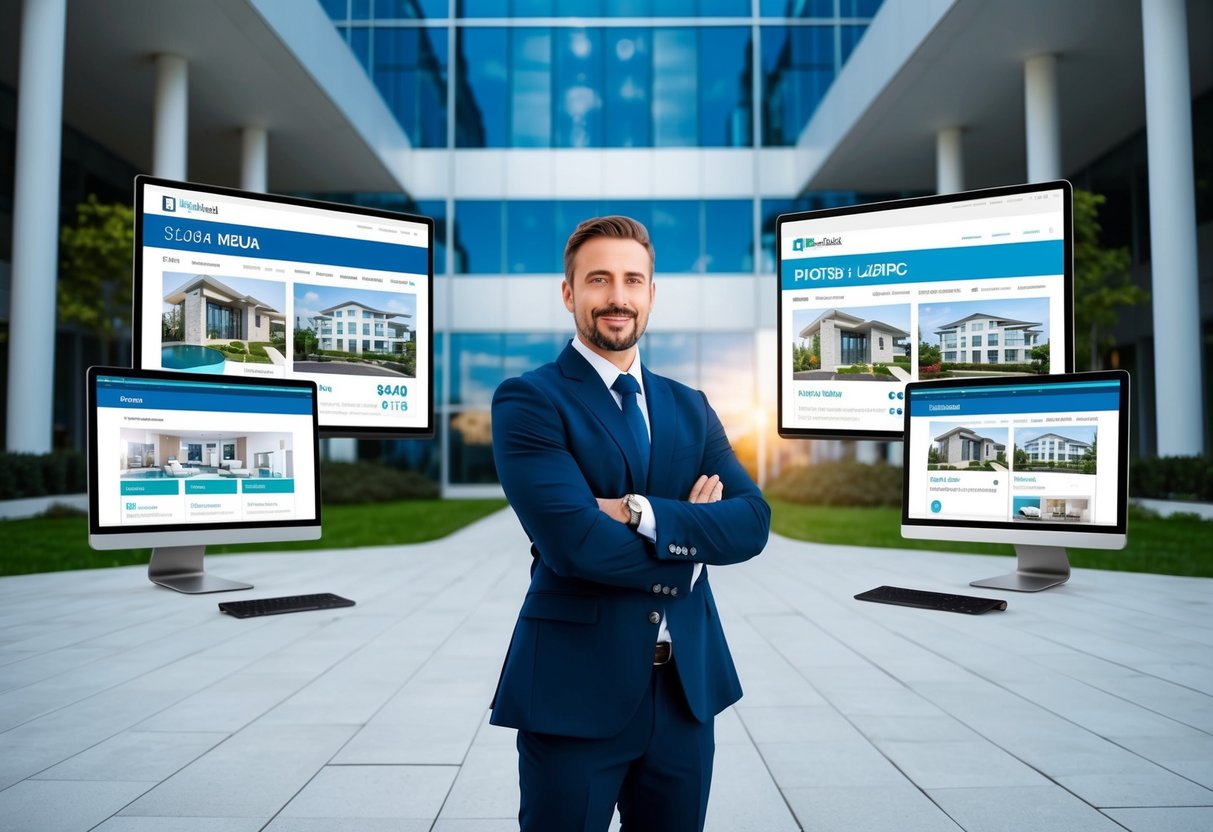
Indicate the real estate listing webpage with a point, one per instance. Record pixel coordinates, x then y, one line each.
243 286
1023 453
181 452
872 300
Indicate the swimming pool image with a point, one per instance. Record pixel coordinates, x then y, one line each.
192 358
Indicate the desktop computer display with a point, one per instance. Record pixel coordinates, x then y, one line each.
1040 462
177 461
238 284
871 297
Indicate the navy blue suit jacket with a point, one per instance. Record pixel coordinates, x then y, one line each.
581 655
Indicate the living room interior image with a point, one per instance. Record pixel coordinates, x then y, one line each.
147 454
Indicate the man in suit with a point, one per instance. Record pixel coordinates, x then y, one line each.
628 489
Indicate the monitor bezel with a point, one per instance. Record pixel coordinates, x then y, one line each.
788 432
357 431
991 531
178 534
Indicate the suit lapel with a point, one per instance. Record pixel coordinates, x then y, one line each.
592 393
662 433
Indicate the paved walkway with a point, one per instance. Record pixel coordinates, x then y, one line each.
128 708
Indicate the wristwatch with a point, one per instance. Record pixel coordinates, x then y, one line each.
634 508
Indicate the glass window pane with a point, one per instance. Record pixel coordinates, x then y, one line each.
481 104
471 448
858 8
676 234
578 88
336 9
675 82
530 88
531 246
360 43
798 67
627 87
480 8
477 368
797 8
360 9
728 238
724 87
410 73
723 8
479 242
524 351
672 354
728 370
410 9
568 215
436 209
850 37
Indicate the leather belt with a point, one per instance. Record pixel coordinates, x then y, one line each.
662 653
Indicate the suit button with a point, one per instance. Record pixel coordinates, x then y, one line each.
692 551
657 587
683 550
674 591
673 549
666 590
654 618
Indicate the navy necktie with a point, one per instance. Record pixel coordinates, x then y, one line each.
627 387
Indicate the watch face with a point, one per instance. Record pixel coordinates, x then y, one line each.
633 503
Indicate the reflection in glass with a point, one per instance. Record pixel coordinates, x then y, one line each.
479 239
724 87
410 73
410 9
531 88
476 367
470 450
531 245
798 66
577 82
628 82
675 103
482 88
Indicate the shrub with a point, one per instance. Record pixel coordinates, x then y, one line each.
257 349
881 370
841 483
344 483
901 359
1172 478
854 369
235 348
239 344
36 475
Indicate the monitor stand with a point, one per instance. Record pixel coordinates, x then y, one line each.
1039 567
180 568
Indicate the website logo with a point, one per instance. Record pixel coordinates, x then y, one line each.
170 204
803 243
193 206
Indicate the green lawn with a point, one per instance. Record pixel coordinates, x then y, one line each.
52 544
1171 546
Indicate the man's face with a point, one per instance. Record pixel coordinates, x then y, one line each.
611 292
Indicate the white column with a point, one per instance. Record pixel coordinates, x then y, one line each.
35 268
949 161
342 450
170 130
1042 118
1176 295
254 159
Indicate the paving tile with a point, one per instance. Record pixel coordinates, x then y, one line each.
918 729
131 824
744 798
486 786
63 805
1015 809
282 824
1122 790
810 764
957 765
356 792
901 808
477 825
1196 819
819 723
135 755
426 735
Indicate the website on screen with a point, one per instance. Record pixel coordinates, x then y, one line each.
242 286
168 458
1018 454
870 301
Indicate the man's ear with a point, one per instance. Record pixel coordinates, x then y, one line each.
566 292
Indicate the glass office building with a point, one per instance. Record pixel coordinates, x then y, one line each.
528 116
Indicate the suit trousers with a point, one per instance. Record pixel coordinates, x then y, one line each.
658 770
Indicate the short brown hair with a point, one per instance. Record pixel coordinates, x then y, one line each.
623 228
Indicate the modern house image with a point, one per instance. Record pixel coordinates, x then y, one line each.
210 311
1052 447
847 339
982 338
355 327
962 445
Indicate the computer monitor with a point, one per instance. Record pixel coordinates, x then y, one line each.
873 296
1040 462
235 283
177 461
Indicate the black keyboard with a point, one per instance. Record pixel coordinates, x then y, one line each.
970 604
288 603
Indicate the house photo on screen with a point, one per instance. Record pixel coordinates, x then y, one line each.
214 454
983 337
860 343
960 448
354 331
218 324
1068 449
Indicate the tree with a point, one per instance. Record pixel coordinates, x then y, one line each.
94 288
1089 459
1021 457
933 456
1040 357
1102 284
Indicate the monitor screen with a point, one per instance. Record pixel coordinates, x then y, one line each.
239 284
871 297
1029 460
177 459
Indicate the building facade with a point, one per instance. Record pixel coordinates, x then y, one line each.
962 446
1052 447
356 328
986 339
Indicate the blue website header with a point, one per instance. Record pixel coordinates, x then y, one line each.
138 394
203 237
1082 397
1045 257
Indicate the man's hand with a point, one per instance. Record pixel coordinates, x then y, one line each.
706 489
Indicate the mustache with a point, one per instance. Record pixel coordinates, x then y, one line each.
614 311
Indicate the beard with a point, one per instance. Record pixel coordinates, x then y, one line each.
624 340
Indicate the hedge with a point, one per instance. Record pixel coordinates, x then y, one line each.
841 483
1172 478
37 475
346 483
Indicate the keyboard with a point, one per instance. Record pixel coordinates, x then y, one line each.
287 603
969 604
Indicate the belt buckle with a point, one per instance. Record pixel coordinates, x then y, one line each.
662 653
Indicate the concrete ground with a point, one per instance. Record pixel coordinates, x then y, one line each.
125 707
